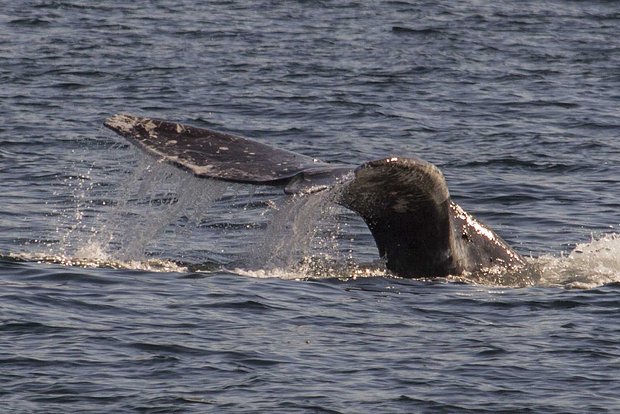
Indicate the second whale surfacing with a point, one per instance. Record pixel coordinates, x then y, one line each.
419 230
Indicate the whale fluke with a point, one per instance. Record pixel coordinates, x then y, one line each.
405 202
212 154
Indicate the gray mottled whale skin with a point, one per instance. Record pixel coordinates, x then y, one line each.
419 230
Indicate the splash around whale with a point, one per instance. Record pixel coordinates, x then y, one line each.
419 231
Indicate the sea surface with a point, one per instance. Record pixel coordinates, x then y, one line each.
129 286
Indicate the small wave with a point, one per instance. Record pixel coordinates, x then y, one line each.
30 22
28 327
412 31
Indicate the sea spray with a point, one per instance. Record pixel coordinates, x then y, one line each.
120 223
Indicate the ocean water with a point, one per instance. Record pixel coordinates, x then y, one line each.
129 286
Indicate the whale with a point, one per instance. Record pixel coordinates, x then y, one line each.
405 202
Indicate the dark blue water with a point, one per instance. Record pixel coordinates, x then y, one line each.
127 286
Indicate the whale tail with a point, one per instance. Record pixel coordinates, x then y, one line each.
404 201
212 154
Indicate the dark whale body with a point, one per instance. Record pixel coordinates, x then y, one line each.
405 202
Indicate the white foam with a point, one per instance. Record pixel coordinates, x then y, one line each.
589 265
316 267
151 265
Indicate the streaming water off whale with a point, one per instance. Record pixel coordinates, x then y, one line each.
128 286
